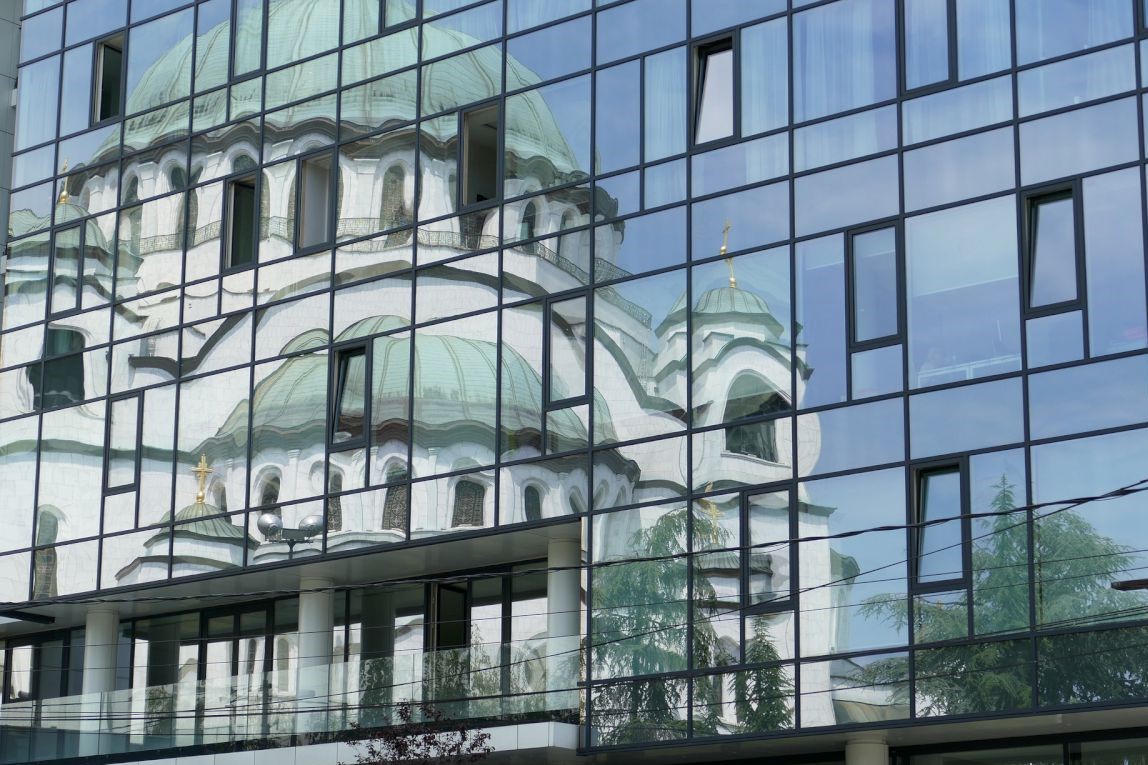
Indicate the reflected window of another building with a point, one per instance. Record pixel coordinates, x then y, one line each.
334 501
66 283
532 502
109 85
527 226
714 94
395 504
480 132
751 397
63 373
394 211
219 495
269 491
469 498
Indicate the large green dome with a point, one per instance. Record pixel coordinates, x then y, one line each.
455 385
531 129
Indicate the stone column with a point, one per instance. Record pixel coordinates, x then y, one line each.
563 620
101 639
867 750
316 635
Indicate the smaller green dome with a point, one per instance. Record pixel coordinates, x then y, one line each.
726 301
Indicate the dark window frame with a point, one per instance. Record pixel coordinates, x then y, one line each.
77 303
748 607
918 473
341 357
249 179
463 172
953 77
98 115
552 404
1030 201
332 169
109 488
700 51
854 345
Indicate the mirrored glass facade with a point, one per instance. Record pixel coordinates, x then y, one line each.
680 370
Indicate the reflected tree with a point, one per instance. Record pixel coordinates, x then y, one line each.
1075 566
640 627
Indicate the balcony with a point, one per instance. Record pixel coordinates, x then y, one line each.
488 684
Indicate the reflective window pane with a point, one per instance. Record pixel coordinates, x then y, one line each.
1053 258
938 554
926 42
875 299
714 95
1047 28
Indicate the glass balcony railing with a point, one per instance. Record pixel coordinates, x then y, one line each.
487 684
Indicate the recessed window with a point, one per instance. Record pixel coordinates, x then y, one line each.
769 580
875 308
469 498
269 492
532 501
395 504
66 270
714 99
349 423
939 533
241 222
1053 251
106 101
123 442
480 129
62 382
566 363
314 201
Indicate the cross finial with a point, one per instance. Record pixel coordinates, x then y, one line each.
722 252
201 472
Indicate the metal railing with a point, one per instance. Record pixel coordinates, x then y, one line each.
483 683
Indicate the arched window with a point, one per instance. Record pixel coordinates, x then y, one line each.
242 164
63 372
269 492
750 396
47 531
469 498
529 223
133 215
219 493
393 212
532 500
334 501
395 505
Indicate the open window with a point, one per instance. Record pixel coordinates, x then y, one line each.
1054 242
350 416
124 418
314 193
768 566
566 349
67 270
875 310
241 219
940 528
714 91
107 100
479 162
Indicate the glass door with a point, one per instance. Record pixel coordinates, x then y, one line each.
234 660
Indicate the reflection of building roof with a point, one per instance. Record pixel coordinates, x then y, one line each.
726 301
455 390
531 129
202 521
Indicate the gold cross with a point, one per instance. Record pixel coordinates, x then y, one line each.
722 252
201 472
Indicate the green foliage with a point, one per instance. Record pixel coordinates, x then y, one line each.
1074 568
640 618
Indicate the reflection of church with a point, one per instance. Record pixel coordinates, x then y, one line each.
288 422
